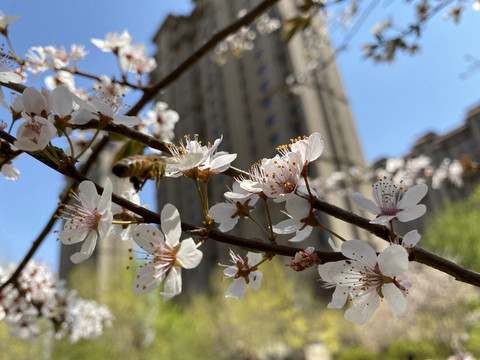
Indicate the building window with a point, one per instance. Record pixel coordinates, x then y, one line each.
271 120
265 85
259 54
261 70
274 139
267 102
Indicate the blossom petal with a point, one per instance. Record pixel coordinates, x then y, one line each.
361 251
413 196
254 258
255 278
62 101
411 239
302 234
173 283
237 288
33 101
287 226
82 116
230 271
324 271
105 203
298 207
363 309
395 299
411 213
148 237
188 254
382 219
339 298
365 204
147 279
87 192
222 213
87 248
393 260
171 225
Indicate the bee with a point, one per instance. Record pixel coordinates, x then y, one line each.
140 168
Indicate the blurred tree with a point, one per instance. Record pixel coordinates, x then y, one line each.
454 231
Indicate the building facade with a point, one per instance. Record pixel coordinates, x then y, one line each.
244 100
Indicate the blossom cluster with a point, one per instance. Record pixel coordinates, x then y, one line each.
39 294
366 278
47 114
282 179
411 171
243 40
91 218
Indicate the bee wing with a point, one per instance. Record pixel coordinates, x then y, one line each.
184 162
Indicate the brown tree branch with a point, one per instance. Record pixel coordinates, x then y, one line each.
418 254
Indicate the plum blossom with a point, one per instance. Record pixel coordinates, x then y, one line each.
165 255
410 239
7 73
191 157
163 121
110 91
86 319
88 220
5 21
34 102
280 176
40 298
244 271
37 60
304 259
35 134
40 125
60 78
101 111
392 202
368 278
238 205
277 178
301 219
309 148
114 42
134 58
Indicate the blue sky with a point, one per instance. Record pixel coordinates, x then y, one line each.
391 104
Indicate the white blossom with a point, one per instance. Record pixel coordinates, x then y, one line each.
165 255
88 220
392 202
244 271
238 206
368 278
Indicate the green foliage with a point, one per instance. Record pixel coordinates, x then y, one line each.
356 353
276 317
455 232
403 349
